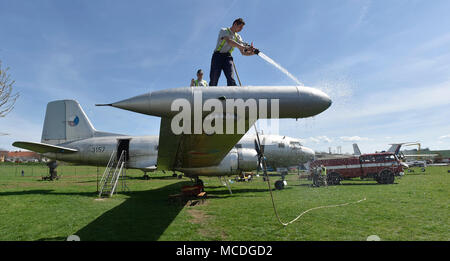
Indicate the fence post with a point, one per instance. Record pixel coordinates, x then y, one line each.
97 179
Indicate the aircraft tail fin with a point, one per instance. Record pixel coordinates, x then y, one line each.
65 121
356 150
395 148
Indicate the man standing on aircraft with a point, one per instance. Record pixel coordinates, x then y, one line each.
199 81
222 60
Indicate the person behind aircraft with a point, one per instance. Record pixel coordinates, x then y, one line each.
323 173
199 81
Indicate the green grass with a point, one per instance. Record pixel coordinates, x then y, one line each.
414 208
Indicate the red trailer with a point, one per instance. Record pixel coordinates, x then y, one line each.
382 167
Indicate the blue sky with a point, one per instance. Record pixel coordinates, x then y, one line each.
386 64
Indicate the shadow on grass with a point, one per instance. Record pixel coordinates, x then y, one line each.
224 193
344 184
364 183
46 192
143 216
151 178
53 239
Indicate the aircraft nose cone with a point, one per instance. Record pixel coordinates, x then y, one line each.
140 103
322 101
308 152
313 101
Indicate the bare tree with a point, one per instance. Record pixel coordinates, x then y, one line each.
7 98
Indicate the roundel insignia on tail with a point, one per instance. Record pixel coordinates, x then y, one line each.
74 121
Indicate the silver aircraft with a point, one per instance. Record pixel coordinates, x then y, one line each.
202 153
281 152
69 136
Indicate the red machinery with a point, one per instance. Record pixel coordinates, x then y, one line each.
191 190
380 166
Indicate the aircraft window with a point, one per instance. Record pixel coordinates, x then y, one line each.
379 158
368 159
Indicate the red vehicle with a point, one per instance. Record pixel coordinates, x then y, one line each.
382 167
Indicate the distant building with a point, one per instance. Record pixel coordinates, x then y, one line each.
442 156
23 156
3 155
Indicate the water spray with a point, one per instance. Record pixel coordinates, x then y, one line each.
279 67
269 60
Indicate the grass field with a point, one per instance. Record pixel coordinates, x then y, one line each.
416 207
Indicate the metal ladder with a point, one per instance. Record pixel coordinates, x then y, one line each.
113 171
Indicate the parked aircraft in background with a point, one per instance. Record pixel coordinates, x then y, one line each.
280 151
407 161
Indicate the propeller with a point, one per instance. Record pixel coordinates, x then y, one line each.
260 151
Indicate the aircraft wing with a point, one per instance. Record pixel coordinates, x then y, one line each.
192 150
42 147
420 155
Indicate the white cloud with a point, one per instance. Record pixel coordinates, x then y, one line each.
319 139
18 128
362 14
441 40
395 101
353 138
444 137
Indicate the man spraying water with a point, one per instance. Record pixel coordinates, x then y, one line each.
222 60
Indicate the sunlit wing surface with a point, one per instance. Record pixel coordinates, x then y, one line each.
192 150
42 148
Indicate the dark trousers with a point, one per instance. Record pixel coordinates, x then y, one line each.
219 62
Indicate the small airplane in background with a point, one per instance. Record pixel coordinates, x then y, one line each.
395 148
281 152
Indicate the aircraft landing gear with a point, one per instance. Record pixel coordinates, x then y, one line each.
279 184
53 174
226 183
198 181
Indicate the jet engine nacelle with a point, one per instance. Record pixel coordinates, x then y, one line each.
247 159
236 161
